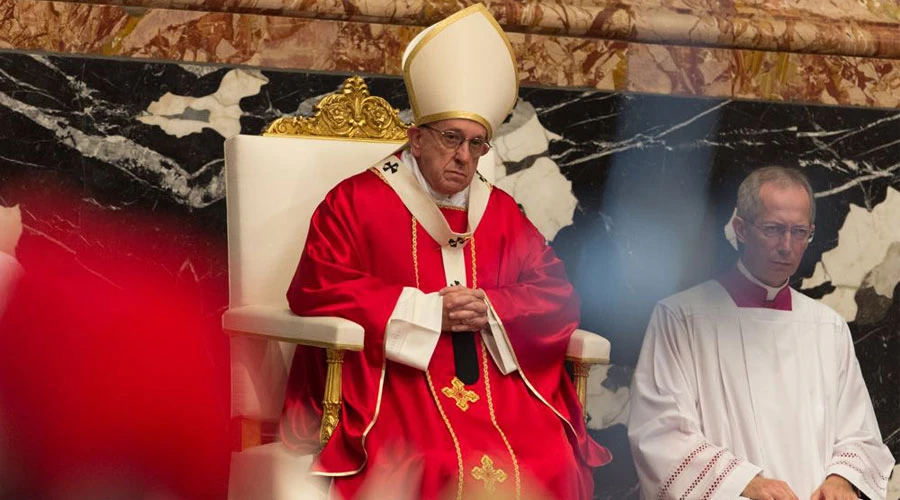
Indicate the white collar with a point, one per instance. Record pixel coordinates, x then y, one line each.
457 200
771 291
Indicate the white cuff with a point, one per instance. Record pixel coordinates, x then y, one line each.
414 328
497 344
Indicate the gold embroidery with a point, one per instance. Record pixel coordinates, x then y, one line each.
488 474
379 174
451 207
490 400
459 461
474 267
415 252
459 394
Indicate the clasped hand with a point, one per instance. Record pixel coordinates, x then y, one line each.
833 488
465 309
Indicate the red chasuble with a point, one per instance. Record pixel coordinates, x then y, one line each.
509 435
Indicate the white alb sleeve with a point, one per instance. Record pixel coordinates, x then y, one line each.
414 328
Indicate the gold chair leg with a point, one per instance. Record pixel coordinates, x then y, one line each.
581 372
331 403
250 432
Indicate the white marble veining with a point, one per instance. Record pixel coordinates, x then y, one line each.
543 191
862 256
606 407
220 111
522 135
893 492
140 162
654 137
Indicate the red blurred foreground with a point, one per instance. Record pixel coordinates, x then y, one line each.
110 387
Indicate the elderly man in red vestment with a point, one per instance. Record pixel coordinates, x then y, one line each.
467 312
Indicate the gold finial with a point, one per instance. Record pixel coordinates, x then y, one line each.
350 113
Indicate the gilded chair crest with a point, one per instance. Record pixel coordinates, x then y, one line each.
348 114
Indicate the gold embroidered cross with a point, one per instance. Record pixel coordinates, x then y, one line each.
459 394
488 474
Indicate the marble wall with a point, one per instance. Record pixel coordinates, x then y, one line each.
343 45
635 123
633 190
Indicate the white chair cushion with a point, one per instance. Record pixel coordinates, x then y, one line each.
260 367
588 347
279 323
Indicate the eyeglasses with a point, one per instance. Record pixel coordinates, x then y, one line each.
776 231
452 140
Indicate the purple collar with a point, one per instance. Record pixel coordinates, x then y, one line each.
745 293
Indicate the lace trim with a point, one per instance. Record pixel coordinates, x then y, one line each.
706 468
680 469
721 478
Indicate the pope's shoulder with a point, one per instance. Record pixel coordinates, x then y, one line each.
360 187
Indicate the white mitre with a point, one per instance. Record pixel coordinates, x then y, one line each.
462 67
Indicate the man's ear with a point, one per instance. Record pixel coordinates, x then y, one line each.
414 134
740 229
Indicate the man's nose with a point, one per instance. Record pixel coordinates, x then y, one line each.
462 152
784 243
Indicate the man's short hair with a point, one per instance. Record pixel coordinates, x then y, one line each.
748 203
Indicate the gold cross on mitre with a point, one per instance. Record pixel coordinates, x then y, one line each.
459 394
488 474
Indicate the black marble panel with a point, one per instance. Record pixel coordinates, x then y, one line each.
654 177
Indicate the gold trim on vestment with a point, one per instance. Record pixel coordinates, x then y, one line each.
524 378
490 400
415 253
451 207
474 267
379 174
459 459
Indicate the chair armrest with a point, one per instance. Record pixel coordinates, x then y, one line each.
279 323
588 347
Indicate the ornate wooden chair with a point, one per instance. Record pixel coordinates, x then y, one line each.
274 183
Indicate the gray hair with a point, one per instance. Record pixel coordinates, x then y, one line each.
748 203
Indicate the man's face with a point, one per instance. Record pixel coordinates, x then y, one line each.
447 170
771 253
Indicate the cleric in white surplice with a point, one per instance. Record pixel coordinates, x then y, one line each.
747 388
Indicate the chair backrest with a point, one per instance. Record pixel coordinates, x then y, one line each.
273 185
